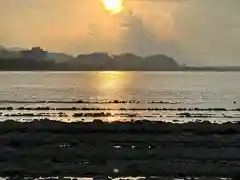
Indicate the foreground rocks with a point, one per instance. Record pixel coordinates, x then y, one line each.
140 148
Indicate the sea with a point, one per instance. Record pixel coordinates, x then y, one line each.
176 97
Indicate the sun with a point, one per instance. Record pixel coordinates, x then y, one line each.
114 6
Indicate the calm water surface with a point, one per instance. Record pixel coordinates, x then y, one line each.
186 89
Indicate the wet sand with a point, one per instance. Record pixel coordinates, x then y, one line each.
139 148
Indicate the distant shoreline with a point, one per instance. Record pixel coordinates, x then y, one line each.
120 70
39 60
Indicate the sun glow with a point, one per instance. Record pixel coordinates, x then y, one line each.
114 6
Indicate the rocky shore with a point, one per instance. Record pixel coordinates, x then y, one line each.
119 149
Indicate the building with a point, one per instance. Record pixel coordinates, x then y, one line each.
36 53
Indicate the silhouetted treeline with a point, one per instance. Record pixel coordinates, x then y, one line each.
25 64
211 68
104 62
94 62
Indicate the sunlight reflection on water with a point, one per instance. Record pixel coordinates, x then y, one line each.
187 89
111 83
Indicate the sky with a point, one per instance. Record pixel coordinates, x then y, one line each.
195 32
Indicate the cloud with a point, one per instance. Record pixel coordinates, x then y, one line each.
192 31
208 31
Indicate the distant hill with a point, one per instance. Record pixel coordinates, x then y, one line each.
14 52
16 49
14 59
126 61
93 61
160 62
7 54
2 48
59 57
95 57
86 62
11 49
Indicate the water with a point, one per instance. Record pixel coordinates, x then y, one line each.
176 89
